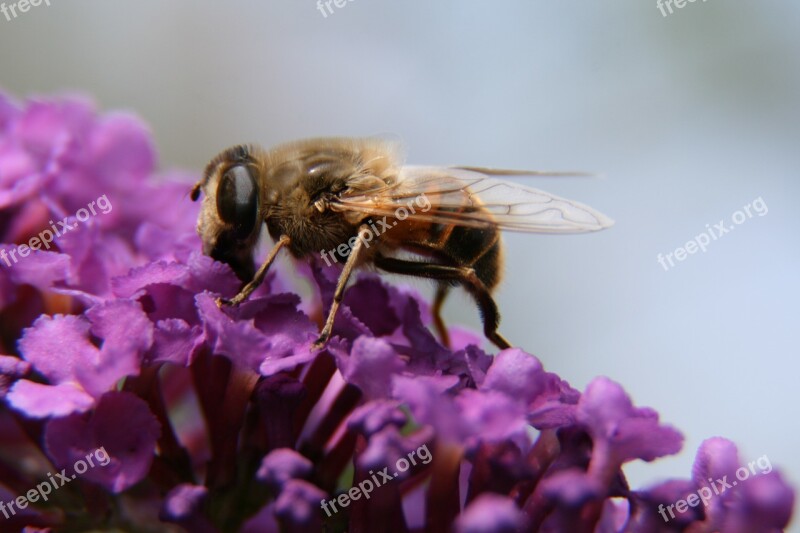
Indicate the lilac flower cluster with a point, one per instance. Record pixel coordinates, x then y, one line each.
225 420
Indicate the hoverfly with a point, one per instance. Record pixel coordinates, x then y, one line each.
354 200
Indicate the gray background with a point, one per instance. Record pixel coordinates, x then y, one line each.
689 117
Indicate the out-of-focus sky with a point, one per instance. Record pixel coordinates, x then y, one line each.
689 117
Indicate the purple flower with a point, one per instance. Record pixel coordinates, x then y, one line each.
183 505
61 350
11 369
370 366
129 453
224 419
491 513
763 501
620 432
375 415
298 506
283 464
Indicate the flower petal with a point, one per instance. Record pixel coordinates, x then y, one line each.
41 401
129 446
491 513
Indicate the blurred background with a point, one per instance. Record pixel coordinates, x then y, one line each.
689 117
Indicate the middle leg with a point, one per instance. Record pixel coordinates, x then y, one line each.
341 285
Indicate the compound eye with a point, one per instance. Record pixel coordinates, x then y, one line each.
237 200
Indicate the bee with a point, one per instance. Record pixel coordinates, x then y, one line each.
352 200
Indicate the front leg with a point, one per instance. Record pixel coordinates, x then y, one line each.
355 252
248 289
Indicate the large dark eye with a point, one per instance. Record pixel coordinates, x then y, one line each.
237 200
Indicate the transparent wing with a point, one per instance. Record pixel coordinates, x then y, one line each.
466 197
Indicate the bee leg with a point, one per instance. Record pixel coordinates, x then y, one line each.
436 310
465 276
355 252
248 289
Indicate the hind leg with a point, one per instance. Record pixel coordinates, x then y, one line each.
436 310
465 276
